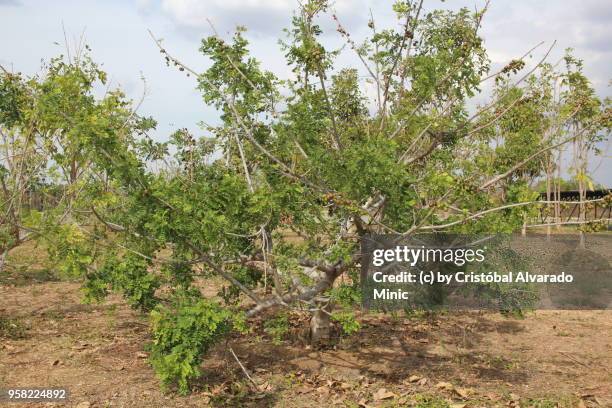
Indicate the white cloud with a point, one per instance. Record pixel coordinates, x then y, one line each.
10 3
258 15
511 28
263 17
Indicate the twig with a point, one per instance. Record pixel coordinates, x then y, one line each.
244 370
602 220
574 359
503 207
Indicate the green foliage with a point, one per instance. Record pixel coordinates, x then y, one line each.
554 402
14 99
13 329
70 249
129 274
347 321
182 332
449 47
277 327
430 401
346 295
249 277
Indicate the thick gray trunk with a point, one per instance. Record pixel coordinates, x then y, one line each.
320 325
3 256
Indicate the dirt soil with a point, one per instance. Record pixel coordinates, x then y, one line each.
546 359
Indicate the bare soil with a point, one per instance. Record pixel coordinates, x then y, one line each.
546 359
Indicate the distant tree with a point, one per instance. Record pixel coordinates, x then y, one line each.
21 165
580 99
52 128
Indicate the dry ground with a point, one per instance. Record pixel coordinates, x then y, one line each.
48 338
480 360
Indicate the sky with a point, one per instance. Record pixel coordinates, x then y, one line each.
117 31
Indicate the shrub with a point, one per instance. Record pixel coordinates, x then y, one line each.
182 333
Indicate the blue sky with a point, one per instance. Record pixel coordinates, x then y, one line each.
31 30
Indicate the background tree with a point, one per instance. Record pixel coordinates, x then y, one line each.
22 164
53 127
579 97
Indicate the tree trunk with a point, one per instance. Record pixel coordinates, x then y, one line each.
524 227
580 155
549 171
558 193
3 259
320 325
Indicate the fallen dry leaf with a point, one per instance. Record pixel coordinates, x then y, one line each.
304 389
323 390
514 397
219 389
141 354
493 397
383 394
413 378
363 403
442 385
265 386
463 392
345 386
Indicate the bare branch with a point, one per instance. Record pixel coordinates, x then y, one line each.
602 220
244 370
503 207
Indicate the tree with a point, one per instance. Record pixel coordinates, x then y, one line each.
579 98
53 130
21 163
312 157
